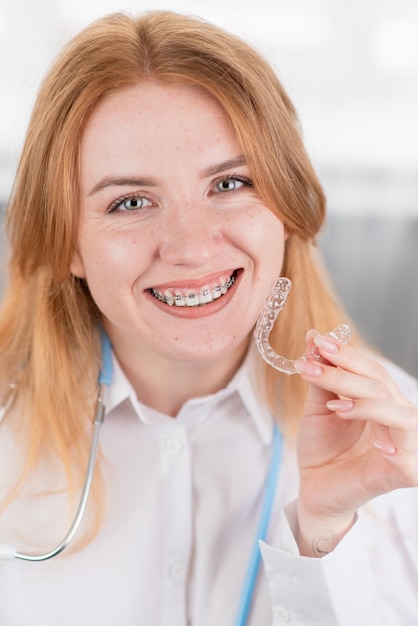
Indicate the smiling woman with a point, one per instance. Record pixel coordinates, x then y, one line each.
163 188
184 225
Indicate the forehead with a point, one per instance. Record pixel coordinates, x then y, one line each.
155 124
156 104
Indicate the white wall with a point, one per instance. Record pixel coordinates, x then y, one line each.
351 67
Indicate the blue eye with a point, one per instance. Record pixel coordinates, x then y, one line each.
232 183
131 203
228 184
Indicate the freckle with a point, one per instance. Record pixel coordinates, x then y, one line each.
175 338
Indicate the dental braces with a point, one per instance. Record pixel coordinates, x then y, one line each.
206 296
274 304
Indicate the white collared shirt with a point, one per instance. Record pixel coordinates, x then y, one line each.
183 501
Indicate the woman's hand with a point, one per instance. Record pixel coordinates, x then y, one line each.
357 440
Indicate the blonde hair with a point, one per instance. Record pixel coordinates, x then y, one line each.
48 321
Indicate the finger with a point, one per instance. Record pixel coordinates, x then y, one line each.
348 384
343 382
391 414
404 466
359 362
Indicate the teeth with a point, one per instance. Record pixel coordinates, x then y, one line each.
168 298
192 299
205 296
216 293
179 300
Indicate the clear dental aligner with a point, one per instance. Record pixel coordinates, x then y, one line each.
274 304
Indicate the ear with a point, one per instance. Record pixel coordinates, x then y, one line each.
286 233
77 266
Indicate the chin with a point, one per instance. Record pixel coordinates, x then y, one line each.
213 352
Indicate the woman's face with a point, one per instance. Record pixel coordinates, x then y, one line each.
176 246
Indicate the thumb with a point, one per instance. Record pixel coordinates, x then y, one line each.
309 367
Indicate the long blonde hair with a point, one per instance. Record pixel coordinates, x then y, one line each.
48 321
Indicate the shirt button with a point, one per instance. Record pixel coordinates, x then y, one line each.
177 571
174 446
281 614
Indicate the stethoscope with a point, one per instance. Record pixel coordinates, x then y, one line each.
105 378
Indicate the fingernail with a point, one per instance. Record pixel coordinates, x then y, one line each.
340 405
311 334
385 447
326 343
308 368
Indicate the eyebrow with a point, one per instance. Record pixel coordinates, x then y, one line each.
122 181
225 165
127 181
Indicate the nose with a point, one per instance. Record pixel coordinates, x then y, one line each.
191 235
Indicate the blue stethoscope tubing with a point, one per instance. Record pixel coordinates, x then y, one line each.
250 582
105 380
106 371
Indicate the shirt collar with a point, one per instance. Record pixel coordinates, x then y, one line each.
244 382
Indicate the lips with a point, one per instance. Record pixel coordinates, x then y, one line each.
186 297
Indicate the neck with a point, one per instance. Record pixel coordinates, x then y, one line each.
166 385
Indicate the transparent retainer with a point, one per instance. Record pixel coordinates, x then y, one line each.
274 304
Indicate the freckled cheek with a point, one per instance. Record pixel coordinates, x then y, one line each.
116 259
260 230
125 255
269 244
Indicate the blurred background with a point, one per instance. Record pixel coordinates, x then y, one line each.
351 68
